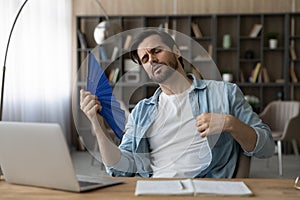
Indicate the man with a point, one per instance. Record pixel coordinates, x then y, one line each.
188 128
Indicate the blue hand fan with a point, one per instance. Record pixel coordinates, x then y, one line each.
98 84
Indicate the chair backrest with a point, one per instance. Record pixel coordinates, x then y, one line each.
243 166
278 113
283 118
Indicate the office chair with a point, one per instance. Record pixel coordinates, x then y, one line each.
283 118
243 166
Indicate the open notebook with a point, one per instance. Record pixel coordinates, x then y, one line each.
37 154
191 187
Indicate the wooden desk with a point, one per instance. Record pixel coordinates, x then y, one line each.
265 189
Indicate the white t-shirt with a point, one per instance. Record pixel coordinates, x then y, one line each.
177 150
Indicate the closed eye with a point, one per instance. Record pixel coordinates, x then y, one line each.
145 58
153 51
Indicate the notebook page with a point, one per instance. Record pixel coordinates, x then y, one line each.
221 187
164 187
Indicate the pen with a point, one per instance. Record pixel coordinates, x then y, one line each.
181 185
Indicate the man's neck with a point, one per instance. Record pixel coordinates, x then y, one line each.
176 84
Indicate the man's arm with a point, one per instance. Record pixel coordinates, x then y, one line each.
109 151
212 123
238 119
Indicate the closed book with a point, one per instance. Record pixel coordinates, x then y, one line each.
82 39
127 42
114 54
256 72
265 75
293 52
116 75
196 30
294 78
256 29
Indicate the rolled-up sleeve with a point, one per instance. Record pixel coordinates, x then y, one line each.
126 164
135 157
265 145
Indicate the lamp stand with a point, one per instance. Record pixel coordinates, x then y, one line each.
4 65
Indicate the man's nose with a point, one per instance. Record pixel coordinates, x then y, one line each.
152 58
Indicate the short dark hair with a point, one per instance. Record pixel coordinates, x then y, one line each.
165 37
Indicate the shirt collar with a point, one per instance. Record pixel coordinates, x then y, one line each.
198 84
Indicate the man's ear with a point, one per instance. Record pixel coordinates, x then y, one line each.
176 51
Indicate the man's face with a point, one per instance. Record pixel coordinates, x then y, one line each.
157 58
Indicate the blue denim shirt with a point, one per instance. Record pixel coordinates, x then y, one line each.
207 96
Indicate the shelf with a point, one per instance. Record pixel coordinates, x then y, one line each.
261 84
236 58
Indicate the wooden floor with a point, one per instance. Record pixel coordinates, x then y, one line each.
268 168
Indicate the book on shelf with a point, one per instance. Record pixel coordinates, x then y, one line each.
242 77
196 30
166 27
116 75
259 77
103 55
293 52
256 29
292 26
255 72
293 75
114 54
82 39
190 187
210 50
265 75
127 42
113 75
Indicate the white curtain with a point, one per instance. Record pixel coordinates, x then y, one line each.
38 67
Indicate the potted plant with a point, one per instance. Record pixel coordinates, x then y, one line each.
254 102
273 39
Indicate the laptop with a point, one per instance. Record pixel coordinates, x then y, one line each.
37 154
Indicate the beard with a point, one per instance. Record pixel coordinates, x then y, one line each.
163 74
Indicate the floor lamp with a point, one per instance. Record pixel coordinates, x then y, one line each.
4 65
106 28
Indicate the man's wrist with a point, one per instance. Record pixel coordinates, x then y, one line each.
229 123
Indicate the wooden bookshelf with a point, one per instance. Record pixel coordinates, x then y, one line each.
237 59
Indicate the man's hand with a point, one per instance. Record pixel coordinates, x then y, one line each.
90 105
210 123
213 123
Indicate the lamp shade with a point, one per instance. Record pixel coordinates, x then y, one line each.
104 30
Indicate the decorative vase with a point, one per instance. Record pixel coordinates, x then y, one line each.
226 41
